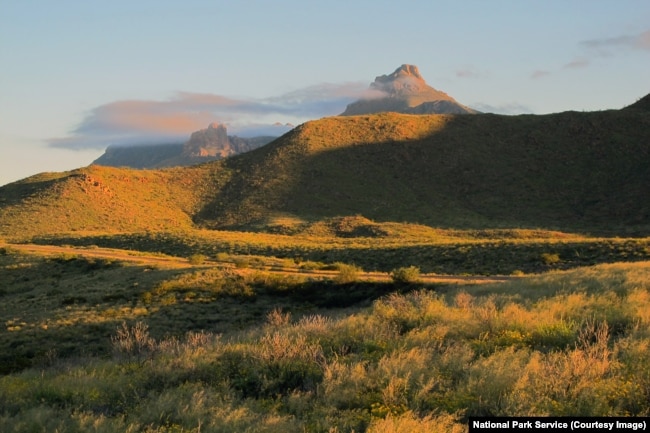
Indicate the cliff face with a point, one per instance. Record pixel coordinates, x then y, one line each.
212 141
405 91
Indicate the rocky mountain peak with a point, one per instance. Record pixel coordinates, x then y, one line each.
405 91
212 141
402 71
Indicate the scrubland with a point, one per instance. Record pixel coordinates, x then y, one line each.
94 345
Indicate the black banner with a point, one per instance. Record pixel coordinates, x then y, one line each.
558 424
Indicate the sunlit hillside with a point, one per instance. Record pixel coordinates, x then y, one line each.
569 171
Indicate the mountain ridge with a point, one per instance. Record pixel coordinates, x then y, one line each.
208 144
571 171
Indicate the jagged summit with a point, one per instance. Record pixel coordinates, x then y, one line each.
212 141
405 91
406 80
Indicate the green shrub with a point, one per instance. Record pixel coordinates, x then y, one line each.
407 275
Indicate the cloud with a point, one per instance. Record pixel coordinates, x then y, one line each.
468 72
505 108
578 63
539 74
173 120
639 41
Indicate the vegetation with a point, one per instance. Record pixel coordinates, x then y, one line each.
486 252
405 275
563 343
329 281
580 172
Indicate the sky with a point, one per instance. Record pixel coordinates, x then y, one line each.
78 75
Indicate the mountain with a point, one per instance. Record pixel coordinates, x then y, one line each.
139 156
405 91
205 145
571 171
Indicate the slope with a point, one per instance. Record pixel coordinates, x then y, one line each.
104 199
577 171
584 172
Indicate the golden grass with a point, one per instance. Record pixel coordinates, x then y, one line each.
564 343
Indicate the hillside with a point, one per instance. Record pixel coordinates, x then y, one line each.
571 171
103 199
574 171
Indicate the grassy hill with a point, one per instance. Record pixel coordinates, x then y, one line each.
575 171
103 199
585 172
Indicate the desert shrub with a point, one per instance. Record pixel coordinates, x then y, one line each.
406 275
242 263
403 313
347 273
550 258
197 259
133 341
276 318
222 257
310 265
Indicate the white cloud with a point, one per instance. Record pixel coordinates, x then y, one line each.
173 120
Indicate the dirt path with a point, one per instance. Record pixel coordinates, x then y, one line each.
144 258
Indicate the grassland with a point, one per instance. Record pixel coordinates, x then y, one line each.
100 345
452 252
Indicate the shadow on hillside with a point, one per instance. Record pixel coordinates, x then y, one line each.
580 172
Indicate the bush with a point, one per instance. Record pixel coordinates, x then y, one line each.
242 263
406 275
197 259
550 259
347 273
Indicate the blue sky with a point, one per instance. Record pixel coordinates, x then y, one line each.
76 76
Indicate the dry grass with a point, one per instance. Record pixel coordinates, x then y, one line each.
412 362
